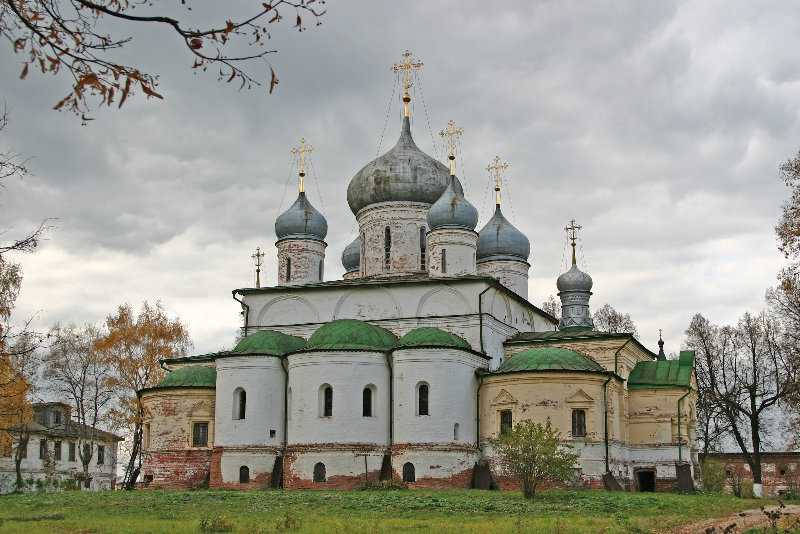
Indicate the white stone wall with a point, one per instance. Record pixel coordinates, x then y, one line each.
348 373
512 274
404 219
258 461
450 376
460 256
306 257
262 378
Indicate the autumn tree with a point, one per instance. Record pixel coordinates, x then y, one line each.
79 373
70 38
134 344
532 453
607 319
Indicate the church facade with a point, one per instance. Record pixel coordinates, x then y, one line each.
408 366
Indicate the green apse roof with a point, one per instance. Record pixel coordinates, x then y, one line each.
198 376
427 336
268 342
351 334
549 359
663 373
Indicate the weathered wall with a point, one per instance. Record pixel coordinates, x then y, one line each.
306 254
227 461
653 416
404 219
460 246
780 471
512 274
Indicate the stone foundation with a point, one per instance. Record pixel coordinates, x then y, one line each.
177 469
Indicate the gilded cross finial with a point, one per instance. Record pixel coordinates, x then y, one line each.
497 168
300 152
257 257
572 233
406 68
450 136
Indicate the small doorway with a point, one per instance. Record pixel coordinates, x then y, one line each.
646 480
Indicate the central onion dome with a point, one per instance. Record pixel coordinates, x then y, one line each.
404 173
452 210
351 256
574 280
500 240
301 221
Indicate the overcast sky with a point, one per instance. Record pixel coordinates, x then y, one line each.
658 126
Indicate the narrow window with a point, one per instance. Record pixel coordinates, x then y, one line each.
321 267
409 473
239 403
362 261
387 248
146 439
57 451
244 474
455 432
366 402
319 472
56 417
42 449
578 423
444 261
326 401
422 249
101 455
506 422
200 434
422 399
288 269
71 454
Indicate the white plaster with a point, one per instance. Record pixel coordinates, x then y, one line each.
512 274
306 257
460 257
404 219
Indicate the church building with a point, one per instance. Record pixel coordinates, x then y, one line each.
426 349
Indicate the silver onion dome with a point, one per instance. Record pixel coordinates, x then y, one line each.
351 256
404 173
500 240
452 210
574 280
301 221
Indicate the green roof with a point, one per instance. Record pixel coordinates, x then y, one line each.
198 376
574 334
663 373
353 335
427 336
268 342
549 359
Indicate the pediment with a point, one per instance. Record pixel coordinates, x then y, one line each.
580 397
504 397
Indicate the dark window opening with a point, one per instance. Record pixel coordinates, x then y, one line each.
57 451
646 480
455 432
387 248
422 249
327 408
506 422
244 474
87 453
272 432
200 434
409 473
366 402
240 396
71 454
578 423
444 261
101 455
42 449
319 472
321 271
56 417
422 400
288 269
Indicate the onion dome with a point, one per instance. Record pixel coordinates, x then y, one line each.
351 334
351 256
269 342
301 221
500 240
452 210
190 376
549 359
574 280
404 173
428 336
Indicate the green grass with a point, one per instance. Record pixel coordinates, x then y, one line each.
358 511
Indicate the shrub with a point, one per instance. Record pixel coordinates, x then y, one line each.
746 489
217 523
714 476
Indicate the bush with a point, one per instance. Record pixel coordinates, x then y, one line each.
714 476
391 485
217 523
747 489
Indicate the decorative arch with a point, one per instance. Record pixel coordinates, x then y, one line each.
447 299
320 474
287 306
244 474
373 303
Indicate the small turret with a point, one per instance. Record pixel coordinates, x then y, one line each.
574 289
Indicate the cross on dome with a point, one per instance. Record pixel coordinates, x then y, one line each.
258 256
451 134
496 169
406 69
300 152
572 233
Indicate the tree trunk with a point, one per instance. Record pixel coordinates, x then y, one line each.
528 488
131 471
756 438
22 445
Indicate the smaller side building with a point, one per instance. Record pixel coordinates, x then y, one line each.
52 456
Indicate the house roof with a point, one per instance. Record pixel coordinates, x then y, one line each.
663 373
351 334
575 334
427 336
549 359
196 376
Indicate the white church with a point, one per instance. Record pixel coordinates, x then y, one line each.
424 351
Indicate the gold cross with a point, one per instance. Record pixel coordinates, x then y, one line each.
257 256
300 152
572 234
407 68
450 136
496 169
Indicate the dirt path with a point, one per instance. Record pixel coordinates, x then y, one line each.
744 520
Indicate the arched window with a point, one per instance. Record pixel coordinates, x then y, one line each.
244 474
387 248
239 403
444 261
578 423
326 401
455 431
366 402
422 398
409 473
506 422
423 252
319 472
321 269
288 269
